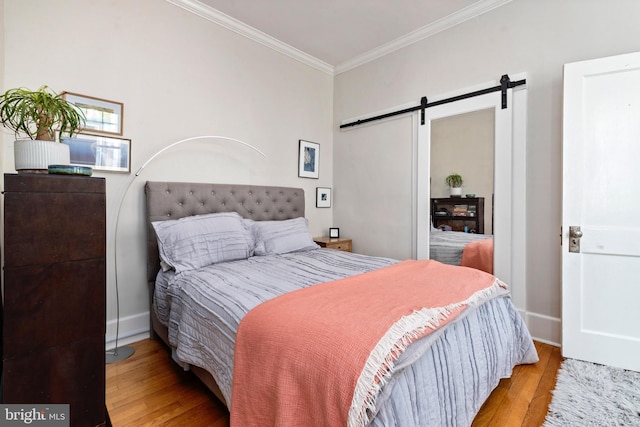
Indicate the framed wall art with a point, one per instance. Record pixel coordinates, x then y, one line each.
102 116
308 159
105 153
323 197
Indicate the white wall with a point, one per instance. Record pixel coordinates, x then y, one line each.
532 36
178 76
2 87
2 137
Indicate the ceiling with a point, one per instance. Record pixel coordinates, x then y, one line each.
338 34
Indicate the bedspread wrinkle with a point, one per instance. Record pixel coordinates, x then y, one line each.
321 355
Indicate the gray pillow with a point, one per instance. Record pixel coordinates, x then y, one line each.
197 241
281 237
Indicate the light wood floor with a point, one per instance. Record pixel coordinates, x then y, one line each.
148 389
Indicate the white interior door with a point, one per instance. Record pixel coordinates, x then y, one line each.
601 195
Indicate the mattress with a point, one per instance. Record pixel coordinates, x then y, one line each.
441 380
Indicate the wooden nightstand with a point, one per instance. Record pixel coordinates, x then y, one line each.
339 244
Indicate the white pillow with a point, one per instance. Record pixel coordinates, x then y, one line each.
197 241
281 237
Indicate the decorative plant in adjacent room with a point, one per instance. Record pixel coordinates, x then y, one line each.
454 181
41 117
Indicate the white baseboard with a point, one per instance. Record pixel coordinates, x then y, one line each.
132 328
135 328
543 328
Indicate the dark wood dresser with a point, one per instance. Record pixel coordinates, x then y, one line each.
458 213
54 294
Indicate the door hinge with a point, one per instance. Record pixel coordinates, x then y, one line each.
560 235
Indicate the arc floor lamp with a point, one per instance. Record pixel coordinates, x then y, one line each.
120 353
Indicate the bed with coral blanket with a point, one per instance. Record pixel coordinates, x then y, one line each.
441 367
458 248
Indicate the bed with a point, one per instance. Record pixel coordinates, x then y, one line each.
442 377
458 248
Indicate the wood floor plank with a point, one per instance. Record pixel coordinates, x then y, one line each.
149 389
542 398
510 404
522 389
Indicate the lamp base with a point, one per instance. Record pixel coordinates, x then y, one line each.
118 354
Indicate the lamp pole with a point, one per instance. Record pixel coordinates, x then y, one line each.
120 353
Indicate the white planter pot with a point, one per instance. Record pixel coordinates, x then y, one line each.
36 156
456 191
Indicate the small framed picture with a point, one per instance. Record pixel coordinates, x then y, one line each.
105 153
102 116
323 197
334 233
308 159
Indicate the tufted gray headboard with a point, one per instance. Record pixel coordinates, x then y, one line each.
174 200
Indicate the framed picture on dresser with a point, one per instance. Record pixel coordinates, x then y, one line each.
102 116
104 153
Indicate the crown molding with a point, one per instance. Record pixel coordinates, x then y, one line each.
422 33
226 21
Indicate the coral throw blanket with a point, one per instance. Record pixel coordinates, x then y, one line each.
478 255
319 356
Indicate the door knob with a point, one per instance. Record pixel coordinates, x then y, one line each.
574 238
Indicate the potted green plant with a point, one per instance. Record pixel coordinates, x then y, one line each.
39 120
454 181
